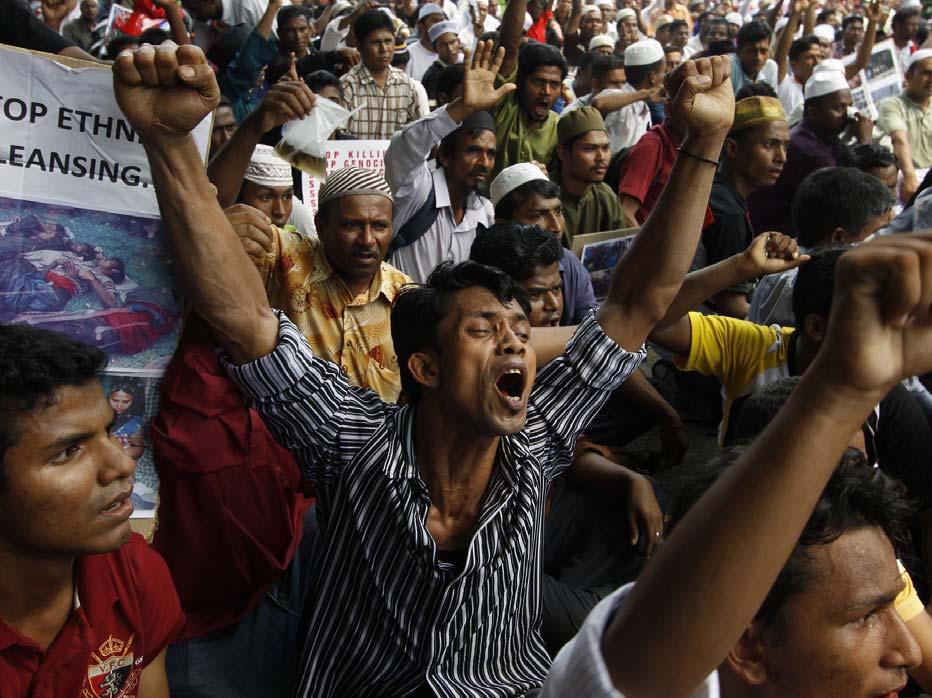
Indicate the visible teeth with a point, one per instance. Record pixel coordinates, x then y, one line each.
513 370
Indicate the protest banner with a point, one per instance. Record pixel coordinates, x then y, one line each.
81 248
881 78
369 155
600 252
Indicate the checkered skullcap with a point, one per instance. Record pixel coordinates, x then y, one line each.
353 181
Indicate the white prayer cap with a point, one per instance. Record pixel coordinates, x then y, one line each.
824 83
643 52
429 9
624 14
826 32
513 177
266 169
734 18
587 9
340 7
528 21
919 55
829 65
441 28
909 4
610 4
662 21
601 40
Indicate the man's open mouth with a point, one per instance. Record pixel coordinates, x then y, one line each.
510 385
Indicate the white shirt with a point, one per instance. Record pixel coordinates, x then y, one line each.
580 670
302 219
247 12
410 178
626 126
790 93
334 37
421 60
694 44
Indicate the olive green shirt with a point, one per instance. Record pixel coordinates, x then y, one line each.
597 210
516 140
900 113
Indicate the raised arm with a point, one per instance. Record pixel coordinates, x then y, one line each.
875 14
165 92
703 587
175 20
285 101
786 38
511 32
649 276
613 100
264 27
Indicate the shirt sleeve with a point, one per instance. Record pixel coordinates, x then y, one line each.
571 389
20 28
904 442
308 404
580 669
640 167
891 117
908 604
725 347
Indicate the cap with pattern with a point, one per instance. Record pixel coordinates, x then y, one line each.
825 32
441 28
429 9
353 181
734 18
753 111
513 177
643 52
266 169
662 21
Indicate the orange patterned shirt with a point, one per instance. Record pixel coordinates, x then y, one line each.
354 333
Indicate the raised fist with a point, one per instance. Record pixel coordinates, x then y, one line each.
703 100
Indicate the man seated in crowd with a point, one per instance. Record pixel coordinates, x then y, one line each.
753 157
464 466
907 119
875 160
813 144
86 608
751 61
437 213
833 206
852 34
589 205
422 52
447 43
697 603
388 97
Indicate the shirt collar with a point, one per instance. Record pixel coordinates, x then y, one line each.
381 282
442 193
365 77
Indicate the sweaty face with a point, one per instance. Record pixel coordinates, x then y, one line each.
486 366
805 62
540 91
472 160
68 482
830 115
355 232
120 401
919 79
295 35
448 48
540 211
761 154
224 126
275 202
377 50
841 636
754 56
587 159
545 289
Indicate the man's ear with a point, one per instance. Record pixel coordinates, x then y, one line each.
839 236
425 368
747 659
730 148
815 326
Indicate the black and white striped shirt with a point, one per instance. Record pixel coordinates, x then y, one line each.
387 616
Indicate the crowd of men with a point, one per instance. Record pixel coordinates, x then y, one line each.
400 443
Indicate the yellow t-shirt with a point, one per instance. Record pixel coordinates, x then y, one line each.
742 355
907 603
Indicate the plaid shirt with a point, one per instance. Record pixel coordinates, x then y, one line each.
384 111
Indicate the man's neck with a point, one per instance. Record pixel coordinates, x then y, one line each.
425 42
380 77
742 184
576 188
900 43
918 99
458 197
36 594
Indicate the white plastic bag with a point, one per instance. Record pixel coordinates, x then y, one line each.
304 141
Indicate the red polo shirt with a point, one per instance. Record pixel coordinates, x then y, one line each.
646 169
128 612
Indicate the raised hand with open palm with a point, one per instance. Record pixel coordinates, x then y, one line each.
479 91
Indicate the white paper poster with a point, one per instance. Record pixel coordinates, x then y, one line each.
369 155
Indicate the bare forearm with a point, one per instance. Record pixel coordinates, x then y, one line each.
607 103
650 274
216 276
598 474
783 48
268 19
176 24
705 283
866 47
227 167
904 154
697 596
511 31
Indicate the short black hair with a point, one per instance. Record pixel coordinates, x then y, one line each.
420 308
815 284
800 46
866 156
903 14
677 23
828 12
371 21
516 249
755 89
508 203
450 77
637 74
834 197
492 36
760 407
154 36
857 495
320 79
670 48
534 55
702 16
586 60
752 32
602 65
34 365
851 18
289 12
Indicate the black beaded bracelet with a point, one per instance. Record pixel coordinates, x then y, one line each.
697 157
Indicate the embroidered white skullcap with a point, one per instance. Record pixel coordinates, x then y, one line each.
643 52
734 18
919 55
826 32
353 181
829 65
513 177
591 8
824 83
624 14
266 169
429 9
601 40
441 28
606 3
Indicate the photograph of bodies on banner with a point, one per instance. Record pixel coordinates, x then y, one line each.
100 278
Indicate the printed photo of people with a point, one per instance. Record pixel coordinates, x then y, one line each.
99 278
135 401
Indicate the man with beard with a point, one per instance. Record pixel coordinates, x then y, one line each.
589 205
437 213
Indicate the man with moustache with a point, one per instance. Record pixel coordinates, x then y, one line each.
437 213
583 154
